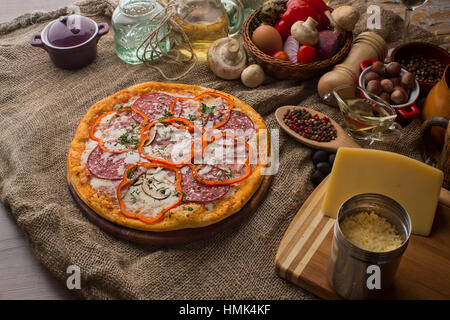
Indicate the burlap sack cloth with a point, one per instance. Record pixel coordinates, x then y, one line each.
40 108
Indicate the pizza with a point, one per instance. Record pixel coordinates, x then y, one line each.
162 157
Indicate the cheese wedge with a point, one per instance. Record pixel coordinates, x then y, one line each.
411 183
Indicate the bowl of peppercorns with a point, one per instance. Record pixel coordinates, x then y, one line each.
425 60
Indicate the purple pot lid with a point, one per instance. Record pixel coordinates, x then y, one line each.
69 31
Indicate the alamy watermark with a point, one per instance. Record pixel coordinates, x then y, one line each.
374 279
74 279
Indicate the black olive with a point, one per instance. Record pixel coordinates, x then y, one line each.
331 158
324 167
317 177
319 156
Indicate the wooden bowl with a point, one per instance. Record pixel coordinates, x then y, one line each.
424 50
284 70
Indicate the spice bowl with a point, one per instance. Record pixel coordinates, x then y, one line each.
356 273
71 41
423 50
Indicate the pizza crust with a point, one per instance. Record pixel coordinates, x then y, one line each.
178 218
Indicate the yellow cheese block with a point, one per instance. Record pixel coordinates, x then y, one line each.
411 183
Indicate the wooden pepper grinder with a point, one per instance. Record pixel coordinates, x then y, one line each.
367 45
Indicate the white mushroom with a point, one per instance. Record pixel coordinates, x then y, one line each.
227 58
151 136
139 180
155 192
305 32
252 76
344 18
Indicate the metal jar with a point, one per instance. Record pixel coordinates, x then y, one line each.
350 268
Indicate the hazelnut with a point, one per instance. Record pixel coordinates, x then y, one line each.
396 81
374 87
393 69
408 80
386 97
372 76
401 89
378 67
399 96
387 85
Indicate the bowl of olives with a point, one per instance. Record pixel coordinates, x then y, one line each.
393 84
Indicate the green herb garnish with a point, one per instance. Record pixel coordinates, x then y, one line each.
207 110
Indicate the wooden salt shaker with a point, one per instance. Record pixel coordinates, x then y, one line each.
367 45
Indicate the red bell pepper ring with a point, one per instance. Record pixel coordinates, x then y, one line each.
127 179
248 169
99 119
208 93
145 131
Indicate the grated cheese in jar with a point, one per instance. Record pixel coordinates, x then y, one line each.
371 232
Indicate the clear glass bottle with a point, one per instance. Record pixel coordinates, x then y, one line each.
132 22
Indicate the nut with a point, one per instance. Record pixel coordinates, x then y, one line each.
374 87
378 67
387 85
393 69
408 80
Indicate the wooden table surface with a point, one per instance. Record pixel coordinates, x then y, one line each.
21 275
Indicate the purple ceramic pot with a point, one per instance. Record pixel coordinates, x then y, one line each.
71 41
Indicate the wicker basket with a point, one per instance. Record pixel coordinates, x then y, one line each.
284 69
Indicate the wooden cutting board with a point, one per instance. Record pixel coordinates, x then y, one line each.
424 271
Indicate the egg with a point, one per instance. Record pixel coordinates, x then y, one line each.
267 39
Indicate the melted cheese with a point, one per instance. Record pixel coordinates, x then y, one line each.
89 146
108 187
111 128
178 148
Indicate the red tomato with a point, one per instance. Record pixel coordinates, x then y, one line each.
281 55
306 54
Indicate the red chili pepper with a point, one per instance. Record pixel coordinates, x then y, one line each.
223 182
99 119
126 180
145 131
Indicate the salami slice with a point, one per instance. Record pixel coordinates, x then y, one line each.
189 109
197 192
154 105
239 125
214 111
110 166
